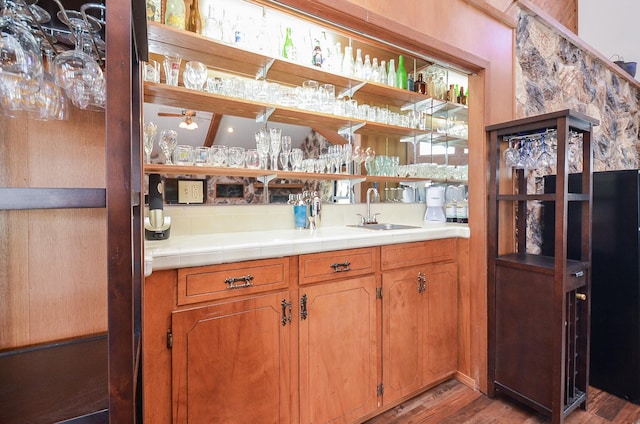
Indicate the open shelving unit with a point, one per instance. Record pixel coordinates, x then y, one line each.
539 306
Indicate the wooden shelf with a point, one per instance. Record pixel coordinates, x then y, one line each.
12 198
279 174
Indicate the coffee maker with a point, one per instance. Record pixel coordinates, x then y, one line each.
156 225
435 204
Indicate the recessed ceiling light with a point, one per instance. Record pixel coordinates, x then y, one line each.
230 129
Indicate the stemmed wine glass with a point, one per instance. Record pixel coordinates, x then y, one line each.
275 142
511 155
150 130
262 145
545 160
168 142
286 150
77 71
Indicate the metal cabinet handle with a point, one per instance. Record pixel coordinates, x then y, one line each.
581 296
231 281
341 267
303 307
578 274
286 306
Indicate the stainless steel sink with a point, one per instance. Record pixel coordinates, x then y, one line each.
383 227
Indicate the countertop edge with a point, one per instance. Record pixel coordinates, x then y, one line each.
211 249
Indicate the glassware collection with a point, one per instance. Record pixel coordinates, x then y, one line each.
539 151
38 76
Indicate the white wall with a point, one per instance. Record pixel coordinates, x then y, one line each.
611 27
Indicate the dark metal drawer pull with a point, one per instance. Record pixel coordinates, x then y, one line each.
231 281
344 266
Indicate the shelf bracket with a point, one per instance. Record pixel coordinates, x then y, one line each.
264 117
349 92
264 70
264 179
347 132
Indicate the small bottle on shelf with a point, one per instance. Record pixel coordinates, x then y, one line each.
195 19
383 72
367 69
391 74
375 70
358 67
288 49
401 74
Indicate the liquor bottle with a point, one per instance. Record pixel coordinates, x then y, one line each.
174 14
195 20
419 85
401 74
391 75
288 50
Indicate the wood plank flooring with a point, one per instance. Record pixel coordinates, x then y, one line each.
452 402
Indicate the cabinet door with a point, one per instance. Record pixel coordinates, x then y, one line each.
338 359
440 322
402 328
231 362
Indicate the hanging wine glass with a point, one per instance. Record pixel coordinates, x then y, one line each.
545 160
511 154
77 71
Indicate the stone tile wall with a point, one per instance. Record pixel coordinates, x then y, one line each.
552 74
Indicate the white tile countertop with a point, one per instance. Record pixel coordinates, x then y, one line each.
207 249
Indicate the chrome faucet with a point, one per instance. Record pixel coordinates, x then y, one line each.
369 219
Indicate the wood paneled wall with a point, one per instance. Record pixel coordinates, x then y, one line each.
563 11
53 263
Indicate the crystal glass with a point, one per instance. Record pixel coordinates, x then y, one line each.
218 155
195 75
252 158
183 155
236 156
150 129
296 159
286 150
168 142
274 146
369 156
201 155
263 145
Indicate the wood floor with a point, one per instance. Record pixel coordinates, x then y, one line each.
452 402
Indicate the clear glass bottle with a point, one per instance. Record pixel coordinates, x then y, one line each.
336 59
358 67
375 70
175 14
391 74
383 72
367 68
347 61
213 24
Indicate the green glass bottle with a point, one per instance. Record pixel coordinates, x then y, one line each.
287 48
175 14
401 74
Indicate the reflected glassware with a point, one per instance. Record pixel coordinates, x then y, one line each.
152 71
274 146
369 157
284 161
296 159
358 158
150 129
347 158
172 68
168 142
195 75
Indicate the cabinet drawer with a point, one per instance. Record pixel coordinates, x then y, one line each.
396 256
328 266
205 283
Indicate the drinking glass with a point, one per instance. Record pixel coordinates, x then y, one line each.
183 155
262 146
284 161
150 129
172 68
286 150
296 159
236 157
195 75
77 70
218 155
168 142
274 146
252 158
201 155
152 71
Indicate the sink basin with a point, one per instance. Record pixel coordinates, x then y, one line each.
384 227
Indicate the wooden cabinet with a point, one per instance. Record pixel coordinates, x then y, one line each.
230 361
338 350
539 305
420 325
